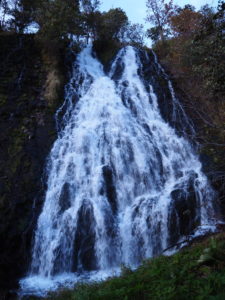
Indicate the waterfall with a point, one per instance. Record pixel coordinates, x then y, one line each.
123 184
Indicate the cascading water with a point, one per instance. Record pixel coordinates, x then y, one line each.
122 184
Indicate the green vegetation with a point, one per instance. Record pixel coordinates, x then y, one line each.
196 273
72 20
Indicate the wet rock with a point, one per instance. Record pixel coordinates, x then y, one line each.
183 218
64 200
84 243
109 187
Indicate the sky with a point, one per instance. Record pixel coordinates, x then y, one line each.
136 9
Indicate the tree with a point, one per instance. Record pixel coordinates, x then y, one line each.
186 6
159 13
154 33
134 34
57 19
111 23
4 8
90 6
110 27
186 22
21 13
91 17
221 7
209 50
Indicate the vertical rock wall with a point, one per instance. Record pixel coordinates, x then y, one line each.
31 88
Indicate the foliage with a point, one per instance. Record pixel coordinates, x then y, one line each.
21 13
209 53
79 20
134 34
106 50
111 30
186 23
4 8
90 18
57 19
90 6
197 45
111 24
154 33
159 14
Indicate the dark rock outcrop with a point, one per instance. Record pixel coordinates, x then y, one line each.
27 131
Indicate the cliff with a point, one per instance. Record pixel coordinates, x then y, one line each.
32 81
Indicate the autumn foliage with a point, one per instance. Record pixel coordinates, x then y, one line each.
186 23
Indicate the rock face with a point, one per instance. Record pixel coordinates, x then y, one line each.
27 131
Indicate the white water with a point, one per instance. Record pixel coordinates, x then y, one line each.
119 180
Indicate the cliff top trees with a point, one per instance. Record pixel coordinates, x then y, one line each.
158 14
112 23
90 17
134 34
57 20
186 22
22 14
90 6
3 11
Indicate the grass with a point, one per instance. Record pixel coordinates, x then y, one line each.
197 272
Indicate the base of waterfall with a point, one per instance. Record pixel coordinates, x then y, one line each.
40 286
196 272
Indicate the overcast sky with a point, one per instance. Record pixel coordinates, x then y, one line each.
136 9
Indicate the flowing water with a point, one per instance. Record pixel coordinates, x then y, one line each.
123 185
